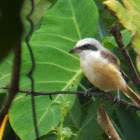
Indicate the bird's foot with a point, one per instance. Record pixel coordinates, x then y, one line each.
116 99
89 91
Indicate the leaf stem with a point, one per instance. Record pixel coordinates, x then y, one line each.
82 87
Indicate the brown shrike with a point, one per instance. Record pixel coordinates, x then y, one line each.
102 67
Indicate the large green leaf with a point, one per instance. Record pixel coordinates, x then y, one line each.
63 25
40 7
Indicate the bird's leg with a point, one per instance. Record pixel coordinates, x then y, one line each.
90 90
117 98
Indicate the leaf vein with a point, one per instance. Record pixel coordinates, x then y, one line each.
75 22
56 49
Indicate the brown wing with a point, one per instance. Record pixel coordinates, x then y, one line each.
125 77
111 57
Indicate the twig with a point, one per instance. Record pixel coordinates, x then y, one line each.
134 75
32 68
101 94
14 85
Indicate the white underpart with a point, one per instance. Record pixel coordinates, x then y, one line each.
86 58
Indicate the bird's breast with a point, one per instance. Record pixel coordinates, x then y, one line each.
102 74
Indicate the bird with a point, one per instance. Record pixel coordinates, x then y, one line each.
102 68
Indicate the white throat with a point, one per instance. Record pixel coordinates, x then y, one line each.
88 55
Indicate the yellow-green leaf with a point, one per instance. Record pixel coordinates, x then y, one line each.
129 16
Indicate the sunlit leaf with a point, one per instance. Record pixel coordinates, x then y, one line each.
2 126
40 7
129 17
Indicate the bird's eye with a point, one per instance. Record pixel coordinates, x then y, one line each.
89 47
85 46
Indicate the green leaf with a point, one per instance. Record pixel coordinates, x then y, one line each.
129 123
82 121
109 41
74 115
49 137
130 17
2 99
138 63
40 7
48 116
118 130
5 71
105 20
62 26
89 127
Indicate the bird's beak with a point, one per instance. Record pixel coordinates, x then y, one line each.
74 50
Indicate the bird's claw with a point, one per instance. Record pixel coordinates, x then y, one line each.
117 99
88 92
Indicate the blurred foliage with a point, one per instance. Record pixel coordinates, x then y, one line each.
10 26
110 43
129 19
59 24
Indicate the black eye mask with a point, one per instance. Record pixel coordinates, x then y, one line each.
88 47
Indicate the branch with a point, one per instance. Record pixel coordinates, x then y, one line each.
96 93
32 68
14 86
134 75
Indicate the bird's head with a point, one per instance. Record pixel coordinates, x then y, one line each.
86 45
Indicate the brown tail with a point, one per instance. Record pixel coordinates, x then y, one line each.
132 95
